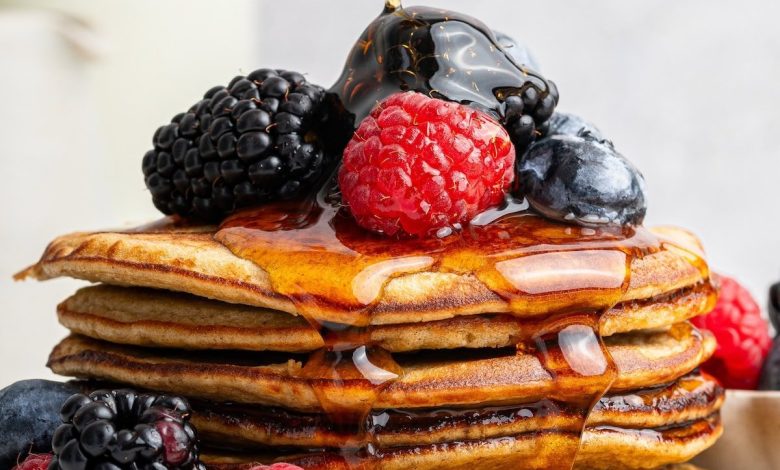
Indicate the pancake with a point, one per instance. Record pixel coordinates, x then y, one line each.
156 318
603 447
193 262
690 398
428 379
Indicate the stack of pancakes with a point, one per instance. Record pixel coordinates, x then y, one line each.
176 311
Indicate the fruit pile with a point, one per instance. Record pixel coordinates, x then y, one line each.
415 152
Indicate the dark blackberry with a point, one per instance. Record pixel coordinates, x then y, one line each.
525 115
122 429
257 140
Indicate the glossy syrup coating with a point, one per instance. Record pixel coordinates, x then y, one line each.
445 55
317 256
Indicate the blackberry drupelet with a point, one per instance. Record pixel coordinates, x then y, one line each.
257 140
122 429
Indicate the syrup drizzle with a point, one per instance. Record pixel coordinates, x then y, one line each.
335 273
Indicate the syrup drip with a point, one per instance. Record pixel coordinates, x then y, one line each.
570 347
440 53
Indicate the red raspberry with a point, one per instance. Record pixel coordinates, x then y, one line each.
418 164
742 334
35 462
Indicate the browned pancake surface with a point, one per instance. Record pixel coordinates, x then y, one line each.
460 378
602 447
147 317
193 262
690 398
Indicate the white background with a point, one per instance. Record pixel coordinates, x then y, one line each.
689 90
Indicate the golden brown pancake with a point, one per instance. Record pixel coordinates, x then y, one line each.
603 447
155 318
512 400
690 398
428 379
193 262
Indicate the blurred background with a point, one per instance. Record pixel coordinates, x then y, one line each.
687 90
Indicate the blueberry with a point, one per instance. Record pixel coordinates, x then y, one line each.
29 415
581 179
571 124
519 52
774 305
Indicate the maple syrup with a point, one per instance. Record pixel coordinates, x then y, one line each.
335 272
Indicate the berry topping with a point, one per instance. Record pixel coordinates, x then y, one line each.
35 462
581 179
121 429
451 56
254 141
418 164
743 336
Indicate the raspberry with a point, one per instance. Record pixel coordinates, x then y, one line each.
418 164
743 337
35 462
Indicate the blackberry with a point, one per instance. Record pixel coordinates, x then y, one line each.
525 115
255 141
122 429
